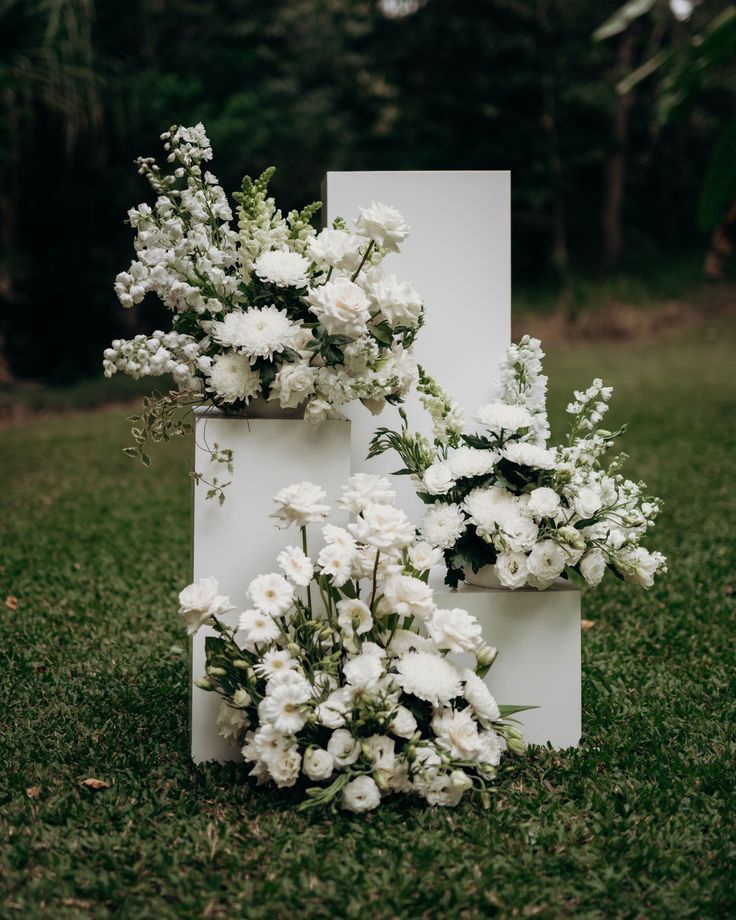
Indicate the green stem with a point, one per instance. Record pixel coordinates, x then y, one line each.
369 249
309 586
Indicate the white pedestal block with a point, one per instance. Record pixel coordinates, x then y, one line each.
537 634
238 540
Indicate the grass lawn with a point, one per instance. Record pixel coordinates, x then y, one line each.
636 823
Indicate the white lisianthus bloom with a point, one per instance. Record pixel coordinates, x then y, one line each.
593 567
332 711
543 502
381 750
284 766
353 615
317 411
511 569
403 724
301 503
457 731
283 707
260 332
318 764
529 455
282 268
546 563
408 596
360 795
259 627
364 489
518 533
382 224
443 525
383 526
241 698
498 417
231 723
275 663
293 384
231 378
199 602
467 462
587 503
479 696
338 249
337 562
341 307
429 677
423 556
447 789
455 630
296 565
438 478
363 671
271 594
398 301
344 749
640 566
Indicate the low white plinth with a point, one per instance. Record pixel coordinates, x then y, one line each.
238 540
537 634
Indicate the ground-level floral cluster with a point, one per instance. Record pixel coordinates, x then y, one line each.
504 501
339 675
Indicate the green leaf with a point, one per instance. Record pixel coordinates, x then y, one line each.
719 186
507 711
383 333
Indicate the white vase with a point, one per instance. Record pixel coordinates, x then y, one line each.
238 540
485 577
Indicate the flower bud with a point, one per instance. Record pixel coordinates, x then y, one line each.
217 672
203 684
241 664
295 649
487 654
381 780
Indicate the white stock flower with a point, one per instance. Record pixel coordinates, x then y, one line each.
353 615
296 565
455 630
499 417
282 268
479 696
429 677
259 627
529 455
403 724
423 556
318 764
301 503
382 224
543 502
337 562
546 563
341 307
457 731
408 596
363 671
271 594
283 707
383 526
200 601
259 332
364 489
293 384
587 503
344 749
360 795
593 567
438 478
442 525
512 569
337 249
230 377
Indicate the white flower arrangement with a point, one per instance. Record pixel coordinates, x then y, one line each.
503 498
340 673
272 310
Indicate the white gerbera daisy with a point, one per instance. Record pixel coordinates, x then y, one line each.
258 333
230 377
283 708
272 593
442 525
282 268
336 561
296 565
429 677
259 627
275 662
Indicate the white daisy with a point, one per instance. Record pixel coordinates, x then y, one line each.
275 662
272 593
336 561
259 627
283 708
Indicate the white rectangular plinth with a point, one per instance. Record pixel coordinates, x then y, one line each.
238 540
458 256
537 634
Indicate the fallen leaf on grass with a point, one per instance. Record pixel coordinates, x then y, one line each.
587 624
11 602
33 792
92 783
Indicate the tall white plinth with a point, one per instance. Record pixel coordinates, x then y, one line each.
458 256
537 634
238 540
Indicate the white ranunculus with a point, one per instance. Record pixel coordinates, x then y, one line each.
338 249
353 615
383 526
318 764
282 268
364 489
382 224
293 384
399 301
455 630
363 671
403 724
296 565
543 502
199 602
408 596
593 567
587 503
345 750
438 478
423 556
479 696
498 417
301 503
546 563
271 594
512 569
443 525
360 795
341 307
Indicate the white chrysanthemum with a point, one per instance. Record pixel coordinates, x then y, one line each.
282 268
296 565
499 417
301 503
529 455
382 224
283 708
360 795
490 505
259 332
429 677
365 489
230 377
466 462
383 526
337 562
455 630
271 594
353 615
404 641
442 525
275 663
259 627
479 696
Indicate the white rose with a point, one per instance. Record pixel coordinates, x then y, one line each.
293 384
341 307
337 249
587 503
382 224
403 724
438 478
640 566
344 749
361 794
408 596
383 526
398 301
317 411
455 630
546 562
318 764
543 502
200 601
363 671
593 567
512 570
301 503
365 489
423 556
